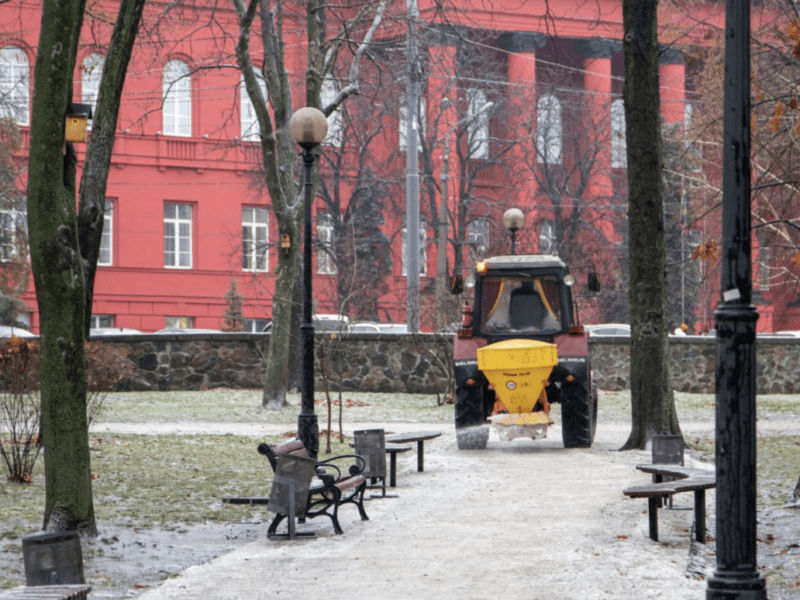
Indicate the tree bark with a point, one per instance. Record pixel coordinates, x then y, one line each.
58 275
91 201
652 399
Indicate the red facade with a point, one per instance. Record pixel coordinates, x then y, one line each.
184 185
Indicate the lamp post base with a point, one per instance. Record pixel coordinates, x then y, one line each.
734 588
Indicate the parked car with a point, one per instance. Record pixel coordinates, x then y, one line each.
173 330
373 327
6 331
101 331
609 329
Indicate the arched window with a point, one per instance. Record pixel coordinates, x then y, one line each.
91 72
478 127
177 107
14 85
251 132
548 130
619 152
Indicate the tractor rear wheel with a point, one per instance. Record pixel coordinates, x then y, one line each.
578 416
472 431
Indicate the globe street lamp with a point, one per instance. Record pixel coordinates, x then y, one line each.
308 127
513 220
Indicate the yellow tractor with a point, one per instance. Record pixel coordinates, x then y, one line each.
520 350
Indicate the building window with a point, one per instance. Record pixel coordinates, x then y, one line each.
420 125
478 238
106 257
13 229
619 151
177 98
326 254
423 254
251 130
254 239
255 325
178 236
14 85
478 126
547 238
178 322
328 96
101 321
548 130
91 72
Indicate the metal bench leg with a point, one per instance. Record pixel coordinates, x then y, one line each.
421 456
652 513
700 516
393 469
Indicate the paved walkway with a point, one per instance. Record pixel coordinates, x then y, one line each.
519 520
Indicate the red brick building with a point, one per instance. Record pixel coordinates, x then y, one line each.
186 214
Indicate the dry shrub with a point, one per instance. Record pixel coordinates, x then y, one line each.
20 406
20 409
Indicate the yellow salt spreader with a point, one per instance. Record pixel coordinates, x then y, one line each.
518 371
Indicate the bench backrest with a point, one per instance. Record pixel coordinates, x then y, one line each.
293 447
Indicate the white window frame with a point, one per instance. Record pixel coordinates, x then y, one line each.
326 263
177 99
255 325
478 238
327 96
549 130
619 149
478 125
106 256
91 74
12 221
547 237
250 128
101 321
178 230
14 85
403 122
423 250
178 322
255 239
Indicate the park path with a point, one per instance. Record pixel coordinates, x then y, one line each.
519 520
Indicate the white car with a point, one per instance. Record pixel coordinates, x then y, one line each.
101 331
609 329
6 331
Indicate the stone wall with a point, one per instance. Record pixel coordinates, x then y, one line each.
416 364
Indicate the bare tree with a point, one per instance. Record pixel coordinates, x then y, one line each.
652 400
324 50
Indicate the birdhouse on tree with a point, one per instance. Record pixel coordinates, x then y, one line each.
78 116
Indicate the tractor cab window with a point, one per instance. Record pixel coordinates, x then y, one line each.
520 304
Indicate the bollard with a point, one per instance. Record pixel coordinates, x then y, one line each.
53 559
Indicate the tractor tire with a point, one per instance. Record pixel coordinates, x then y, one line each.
472 431
578 416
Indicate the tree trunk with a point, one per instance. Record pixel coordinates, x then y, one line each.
652 400
58 275
91 202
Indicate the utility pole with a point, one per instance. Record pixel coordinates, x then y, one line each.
412 174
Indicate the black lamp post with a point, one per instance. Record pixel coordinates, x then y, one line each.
513 220
308 127
736 576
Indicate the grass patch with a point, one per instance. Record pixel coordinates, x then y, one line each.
244 406
141 481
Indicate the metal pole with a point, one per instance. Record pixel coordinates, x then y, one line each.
307 426
736 575
412 175
513 241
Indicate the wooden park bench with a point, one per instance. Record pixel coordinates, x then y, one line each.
686 480
330 488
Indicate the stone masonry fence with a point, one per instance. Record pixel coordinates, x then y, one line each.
413 363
